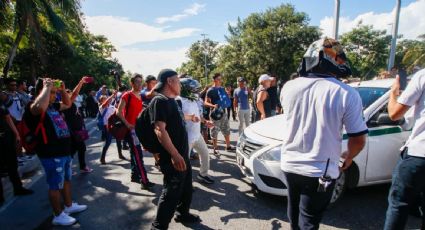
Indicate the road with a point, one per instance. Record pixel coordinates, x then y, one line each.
230 203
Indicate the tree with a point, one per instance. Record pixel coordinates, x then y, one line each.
411 53
197 53
270 42
367 50
31 15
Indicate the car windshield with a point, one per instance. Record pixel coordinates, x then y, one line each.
370 94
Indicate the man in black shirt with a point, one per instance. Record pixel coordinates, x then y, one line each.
274 99
168 120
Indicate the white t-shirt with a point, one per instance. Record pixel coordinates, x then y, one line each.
109 112
414 96
17 109
193 129
315 111
78 101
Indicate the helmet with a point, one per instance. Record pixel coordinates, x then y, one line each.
217 114
190 87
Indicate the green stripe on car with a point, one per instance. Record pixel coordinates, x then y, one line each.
379 132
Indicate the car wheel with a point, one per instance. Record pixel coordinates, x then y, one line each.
340 186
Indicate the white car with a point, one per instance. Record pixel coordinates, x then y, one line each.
258 148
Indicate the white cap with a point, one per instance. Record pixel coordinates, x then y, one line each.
264 77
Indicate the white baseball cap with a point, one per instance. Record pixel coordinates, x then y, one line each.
264 77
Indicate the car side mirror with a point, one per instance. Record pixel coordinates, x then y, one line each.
384 119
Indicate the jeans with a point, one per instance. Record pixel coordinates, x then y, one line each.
202 149
58 170
138 170
176 195
108 141
244 118
407 184
305 204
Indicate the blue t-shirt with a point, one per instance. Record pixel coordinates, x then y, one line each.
145 100
242 96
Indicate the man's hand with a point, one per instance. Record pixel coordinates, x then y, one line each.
18 139
178 162
347 162
209 124
195 119
395 88
48 83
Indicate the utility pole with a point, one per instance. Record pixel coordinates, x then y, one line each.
336 19
205 58
394 35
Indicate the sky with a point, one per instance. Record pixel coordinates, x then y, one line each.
151 35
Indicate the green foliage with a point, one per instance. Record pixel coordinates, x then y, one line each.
54 42
270 42
199 53
411 53
367 50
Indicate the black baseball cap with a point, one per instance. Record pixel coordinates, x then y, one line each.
162 78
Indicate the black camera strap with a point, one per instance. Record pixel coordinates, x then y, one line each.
326 169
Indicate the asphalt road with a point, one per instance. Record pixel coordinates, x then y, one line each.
230 203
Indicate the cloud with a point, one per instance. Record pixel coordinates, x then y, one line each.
193 10
150 61
411 25
123 32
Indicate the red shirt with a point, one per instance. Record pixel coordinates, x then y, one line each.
134 108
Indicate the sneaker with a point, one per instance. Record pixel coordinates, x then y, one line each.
187 218
75 207
86 170
135 180
125 147
23 191
63 219
148 185
216 152
205 179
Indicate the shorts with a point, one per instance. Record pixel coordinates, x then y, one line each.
58 170
221 125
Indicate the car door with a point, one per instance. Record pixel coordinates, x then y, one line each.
384 142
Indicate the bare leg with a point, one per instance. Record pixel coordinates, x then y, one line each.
66 193
55 201
227 138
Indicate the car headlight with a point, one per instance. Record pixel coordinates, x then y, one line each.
272 154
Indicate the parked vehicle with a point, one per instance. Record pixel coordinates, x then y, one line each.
259 147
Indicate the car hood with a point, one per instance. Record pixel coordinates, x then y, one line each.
269 127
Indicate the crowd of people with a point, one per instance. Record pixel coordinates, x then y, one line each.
183 118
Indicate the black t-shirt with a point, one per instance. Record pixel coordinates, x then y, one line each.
274 100
4 127
57 132
73 118
167 110
212 94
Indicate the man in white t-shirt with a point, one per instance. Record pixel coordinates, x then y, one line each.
408 176
192 113
317 107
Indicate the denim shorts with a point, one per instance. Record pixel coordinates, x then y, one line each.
58 170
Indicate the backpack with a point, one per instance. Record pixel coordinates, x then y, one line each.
145 130
28 137
116 127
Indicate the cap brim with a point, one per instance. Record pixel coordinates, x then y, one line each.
158 86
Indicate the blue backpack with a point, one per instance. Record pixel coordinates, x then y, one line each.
224 98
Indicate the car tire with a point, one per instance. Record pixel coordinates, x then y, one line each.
340 187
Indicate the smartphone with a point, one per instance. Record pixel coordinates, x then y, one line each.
89 79
57 83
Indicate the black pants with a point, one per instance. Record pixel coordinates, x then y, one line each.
138 171
80 148
305 204
9 162
176 195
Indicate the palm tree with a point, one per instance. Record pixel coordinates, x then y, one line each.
31 15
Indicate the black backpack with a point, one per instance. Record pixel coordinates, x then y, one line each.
145 130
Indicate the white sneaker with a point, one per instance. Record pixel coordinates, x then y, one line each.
74 208
63 219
